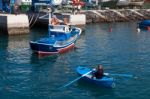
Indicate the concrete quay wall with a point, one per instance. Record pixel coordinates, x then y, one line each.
113 15
14 24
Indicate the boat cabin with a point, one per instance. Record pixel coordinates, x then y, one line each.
61 32
60 28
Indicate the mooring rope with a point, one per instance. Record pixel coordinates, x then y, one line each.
30 19
31 25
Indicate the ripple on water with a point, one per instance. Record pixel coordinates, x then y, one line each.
24 75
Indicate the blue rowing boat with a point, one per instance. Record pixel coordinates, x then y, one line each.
105 81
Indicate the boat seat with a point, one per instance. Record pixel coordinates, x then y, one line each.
46 40
61 38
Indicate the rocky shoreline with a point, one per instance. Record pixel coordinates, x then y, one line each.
111 15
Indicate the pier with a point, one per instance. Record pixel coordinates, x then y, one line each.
20 24
12 24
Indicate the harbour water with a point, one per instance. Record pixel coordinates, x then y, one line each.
24 75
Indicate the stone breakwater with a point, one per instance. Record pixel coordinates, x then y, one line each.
111 15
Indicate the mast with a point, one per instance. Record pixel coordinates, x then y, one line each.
49 16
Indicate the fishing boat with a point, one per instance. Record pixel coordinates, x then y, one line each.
61 38
105 81
145 24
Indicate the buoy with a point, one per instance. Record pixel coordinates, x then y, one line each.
138 30
110 29
148 28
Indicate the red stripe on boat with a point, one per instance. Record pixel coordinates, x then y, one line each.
63 50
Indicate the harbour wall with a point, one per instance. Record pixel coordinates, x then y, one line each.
21 23
96 16
11 24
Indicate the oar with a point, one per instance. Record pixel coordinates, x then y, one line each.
123 75
75 80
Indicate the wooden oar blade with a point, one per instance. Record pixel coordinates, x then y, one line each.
122 75
75 80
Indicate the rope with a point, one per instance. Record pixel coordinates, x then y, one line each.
30 20
35 20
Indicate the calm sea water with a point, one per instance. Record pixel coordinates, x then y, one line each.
23 75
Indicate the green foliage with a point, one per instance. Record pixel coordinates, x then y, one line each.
146 6
25 8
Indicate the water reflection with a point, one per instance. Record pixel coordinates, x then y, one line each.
95 91
3 46
24 75
35 58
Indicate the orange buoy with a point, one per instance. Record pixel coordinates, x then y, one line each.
110 29
148 28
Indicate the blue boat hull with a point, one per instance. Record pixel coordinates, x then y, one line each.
45 49
104 82
58 43
144 24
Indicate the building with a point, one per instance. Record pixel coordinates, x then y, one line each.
122 3
23 2
41 5
146 4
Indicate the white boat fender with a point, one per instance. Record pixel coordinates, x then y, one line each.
138 30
